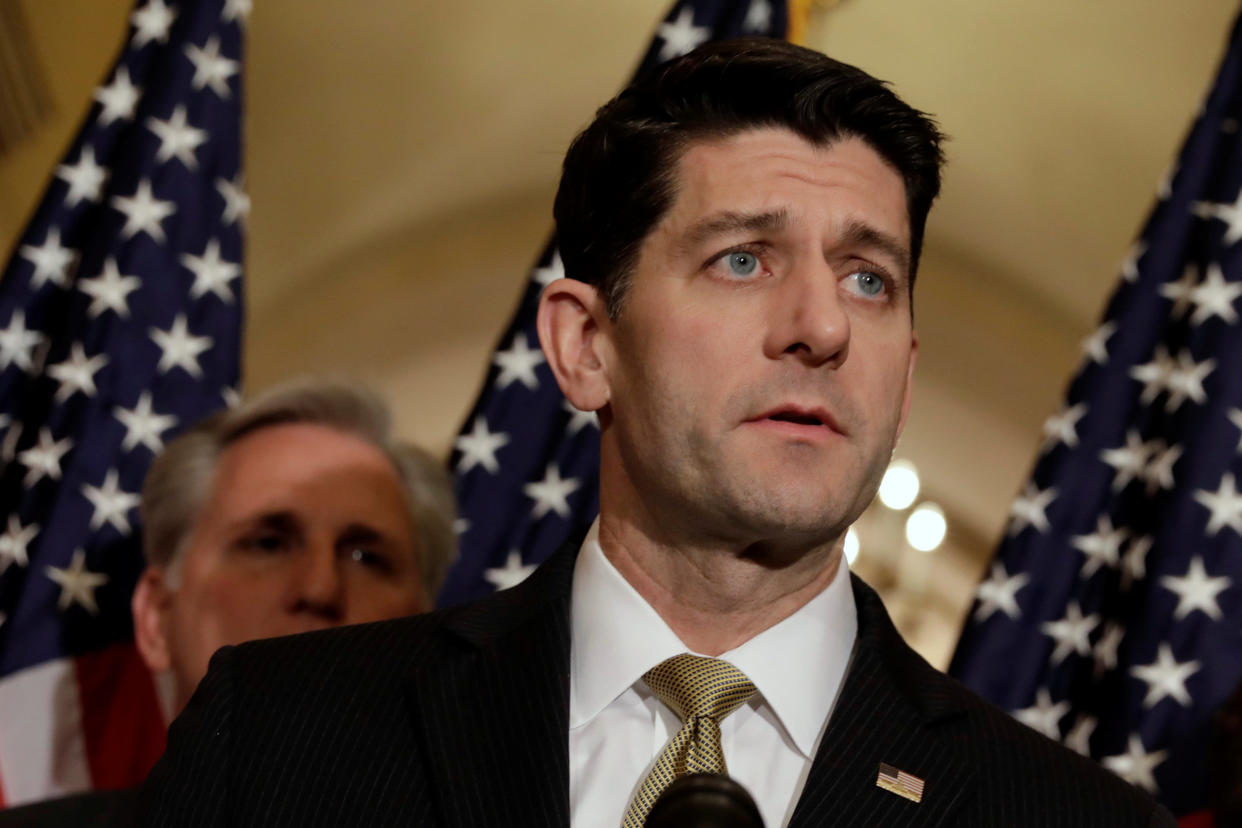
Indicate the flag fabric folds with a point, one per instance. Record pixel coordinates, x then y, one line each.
120 323
526 462
1112 615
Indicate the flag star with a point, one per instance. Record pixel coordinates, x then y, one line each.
1079 737
51 260
143 212
1129 268
211 273
1136 765
1105 650
108 290
511 574
551 493
1000 592
118 99
1229 213
1031 509
1128 461
1159 471
77 583
1186 380
1164 188
555 270
15 542
152 22
1095 346
1235 417
479 447
1214 296
18 343
461 526
579 419
1165 678
236 10
178 139
76 373
236 202
1196 590
1072 633
210 69
1044 716
1181 291
142 425
1224 504
43 460
1155 374
758 17
681 35
180 348
8 449
111 502
1102 547
1062 426
518 363
85 178
231 396
1134 562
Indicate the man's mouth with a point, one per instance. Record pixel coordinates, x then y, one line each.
796 418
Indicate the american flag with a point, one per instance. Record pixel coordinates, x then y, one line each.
120 323
1112 616
526 463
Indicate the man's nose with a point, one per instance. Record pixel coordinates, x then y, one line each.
808 319
318 586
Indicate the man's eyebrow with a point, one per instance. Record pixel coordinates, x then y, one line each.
860 234
361 533
730 221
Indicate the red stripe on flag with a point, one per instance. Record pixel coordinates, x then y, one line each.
122 724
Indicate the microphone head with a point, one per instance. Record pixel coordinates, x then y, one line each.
704 800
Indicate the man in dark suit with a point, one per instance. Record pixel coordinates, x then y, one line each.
741 233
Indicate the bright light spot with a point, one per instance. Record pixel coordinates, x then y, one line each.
925 527
851 546
900 485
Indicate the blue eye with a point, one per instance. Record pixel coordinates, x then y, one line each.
870 284
742 263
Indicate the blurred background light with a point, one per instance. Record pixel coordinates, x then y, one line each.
926 527
900 485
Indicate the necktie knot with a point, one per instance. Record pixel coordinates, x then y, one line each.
702 691
694 686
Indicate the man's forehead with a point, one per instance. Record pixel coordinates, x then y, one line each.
765 178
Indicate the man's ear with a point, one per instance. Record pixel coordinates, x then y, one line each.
572 325
151 605
905 402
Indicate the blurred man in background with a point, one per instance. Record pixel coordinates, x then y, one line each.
296 511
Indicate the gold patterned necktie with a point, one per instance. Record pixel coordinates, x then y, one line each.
702 691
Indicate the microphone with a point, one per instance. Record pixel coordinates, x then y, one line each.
704 800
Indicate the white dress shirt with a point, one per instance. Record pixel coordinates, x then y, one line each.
617 726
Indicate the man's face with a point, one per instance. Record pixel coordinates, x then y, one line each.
758 373
305 527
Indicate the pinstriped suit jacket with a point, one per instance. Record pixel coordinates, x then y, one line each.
460 718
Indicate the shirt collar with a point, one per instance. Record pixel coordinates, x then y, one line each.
617 636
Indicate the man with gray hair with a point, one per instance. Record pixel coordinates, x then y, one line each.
295 511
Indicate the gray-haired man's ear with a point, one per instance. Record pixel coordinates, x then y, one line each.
151 605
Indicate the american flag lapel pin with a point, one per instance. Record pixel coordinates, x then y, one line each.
903 784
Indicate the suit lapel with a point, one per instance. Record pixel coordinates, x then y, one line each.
894 709
493 714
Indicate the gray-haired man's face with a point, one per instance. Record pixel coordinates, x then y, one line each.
305 527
